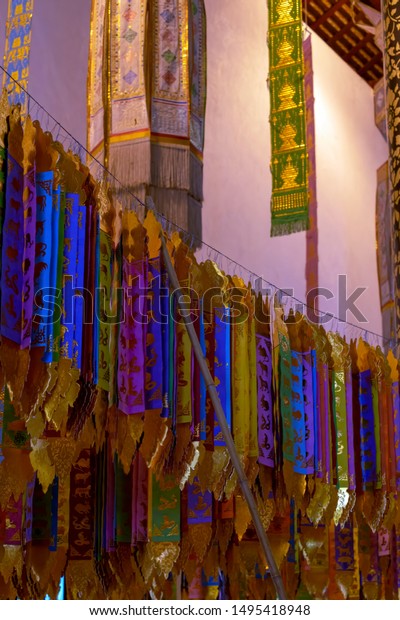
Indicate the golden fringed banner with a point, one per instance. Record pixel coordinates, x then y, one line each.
289 164
146 99
18 47
117 106
113 471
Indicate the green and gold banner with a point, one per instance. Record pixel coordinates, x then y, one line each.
289 164
164 517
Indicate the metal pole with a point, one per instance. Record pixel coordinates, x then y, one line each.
212 390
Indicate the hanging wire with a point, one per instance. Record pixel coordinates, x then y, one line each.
225 262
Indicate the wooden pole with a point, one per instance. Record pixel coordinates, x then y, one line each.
219 412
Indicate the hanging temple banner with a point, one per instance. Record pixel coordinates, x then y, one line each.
289 164
114 472
146 100
312 260
18 46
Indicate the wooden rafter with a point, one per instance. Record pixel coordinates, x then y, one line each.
333 9
335 23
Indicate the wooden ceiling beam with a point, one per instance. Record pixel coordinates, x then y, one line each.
334 8
360 45
375 60
345 30
339 33
370 80
362 71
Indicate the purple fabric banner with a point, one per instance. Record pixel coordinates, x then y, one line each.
308 394
30 488
18 255
132 340
264 395
367 432
396 423
199 504
14 517
154 349
344 546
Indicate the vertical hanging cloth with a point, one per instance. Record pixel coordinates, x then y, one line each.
96 77
42 330
69 273
312 260
289 205
147 93
264 397
170 95
56 270
129 119
44 201
222 372
17 51
132 334
155 319
18 252
367 439
105 310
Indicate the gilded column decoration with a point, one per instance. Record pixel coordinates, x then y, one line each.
392 61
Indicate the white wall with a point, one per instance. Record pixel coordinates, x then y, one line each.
237 181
